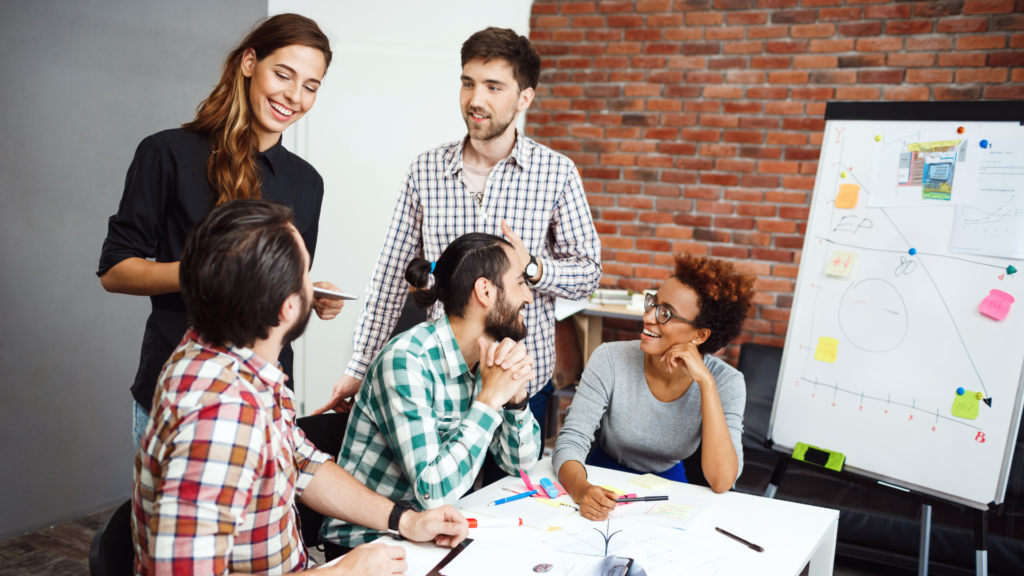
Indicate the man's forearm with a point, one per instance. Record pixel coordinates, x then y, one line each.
335 493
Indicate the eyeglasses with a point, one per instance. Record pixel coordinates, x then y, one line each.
662 313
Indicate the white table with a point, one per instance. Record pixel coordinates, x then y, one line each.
791 534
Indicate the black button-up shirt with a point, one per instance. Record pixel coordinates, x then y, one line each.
165 193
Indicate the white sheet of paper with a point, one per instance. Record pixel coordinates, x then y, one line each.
886 170
419 557
495 559
994 225
677 512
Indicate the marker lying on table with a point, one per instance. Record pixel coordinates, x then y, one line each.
750 545
511 498
494 522
642 499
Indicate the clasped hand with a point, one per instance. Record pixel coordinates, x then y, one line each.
686 355
505 370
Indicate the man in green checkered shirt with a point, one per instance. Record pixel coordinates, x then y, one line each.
441 394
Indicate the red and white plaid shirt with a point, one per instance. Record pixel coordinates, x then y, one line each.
219 468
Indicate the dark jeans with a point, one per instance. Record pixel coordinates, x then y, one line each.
539 403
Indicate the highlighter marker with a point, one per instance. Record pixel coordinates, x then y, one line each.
549 488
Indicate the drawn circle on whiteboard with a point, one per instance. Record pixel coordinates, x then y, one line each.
873 316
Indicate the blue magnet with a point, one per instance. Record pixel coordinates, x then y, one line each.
913 251
984 143
960 391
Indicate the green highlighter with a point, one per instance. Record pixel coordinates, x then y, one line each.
821 457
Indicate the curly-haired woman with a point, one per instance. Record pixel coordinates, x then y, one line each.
658 399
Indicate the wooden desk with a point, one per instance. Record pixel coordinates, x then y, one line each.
792 535
589 323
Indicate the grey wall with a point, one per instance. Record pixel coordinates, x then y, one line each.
81 83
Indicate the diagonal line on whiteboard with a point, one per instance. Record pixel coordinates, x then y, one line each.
943 300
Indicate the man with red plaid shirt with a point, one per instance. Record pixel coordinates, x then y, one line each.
222 461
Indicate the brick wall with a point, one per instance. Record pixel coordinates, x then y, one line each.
696 124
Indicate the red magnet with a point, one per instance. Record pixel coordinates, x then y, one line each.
960 130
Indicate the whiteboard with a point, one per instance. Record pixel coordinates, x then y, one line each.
873 360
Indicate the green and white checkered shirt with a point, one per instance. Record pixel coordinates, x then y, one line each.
417 433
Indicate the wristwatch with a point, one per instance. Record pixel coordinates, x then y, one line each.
396 515
531 268
519 406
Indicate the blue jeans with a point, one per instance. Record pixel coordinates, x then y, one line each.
601 458
139 420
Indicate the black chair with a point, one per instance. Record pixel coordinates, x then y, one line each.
113 552
326 432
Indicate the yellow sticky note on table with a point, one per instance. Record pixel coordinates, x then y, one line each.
827 350
649 481
841 263
966 405
847 197
614 489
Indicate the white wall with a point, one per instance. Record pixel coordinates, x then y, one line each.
392 92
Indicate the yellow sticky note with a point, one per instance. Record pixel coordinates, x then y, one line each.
828 349
841 263
965 406
649 481
614 489
847 197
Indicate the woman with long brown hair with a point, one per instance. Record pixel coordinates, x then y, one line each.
232 150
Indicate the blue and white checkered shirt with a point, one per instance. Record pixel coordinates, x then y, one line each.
536 190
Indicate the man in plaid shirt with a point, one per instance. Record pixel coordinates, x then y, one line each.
222 461
497 181
437 394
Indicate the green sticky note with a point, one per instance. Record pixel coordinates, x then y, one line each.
965 406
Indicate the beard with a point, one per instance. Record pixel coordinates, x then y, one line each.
299 327
504 321
498 124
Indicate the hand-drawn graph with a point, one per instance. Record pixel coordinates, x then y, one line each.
994 224
656 541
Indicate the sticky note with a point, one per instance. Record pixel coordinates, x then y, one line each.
965 406
614 489
996 305
840 263
827 350
847 197
649 481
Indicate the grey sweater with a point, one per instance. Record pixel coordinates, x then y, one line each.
638 430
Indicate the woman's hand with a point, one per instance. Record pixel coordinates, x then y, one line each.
327 309
595 502
686 355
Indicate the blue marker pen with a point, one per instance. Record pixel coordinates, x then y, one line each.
512 498
549 487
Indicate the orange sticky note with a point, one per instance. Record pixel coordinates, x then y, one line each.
847 197
840 263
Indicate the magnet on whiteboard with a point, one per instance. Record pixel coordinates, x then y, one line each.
979 395
960 130
983 143
960 391
1011 270
913 251
842 174
878 138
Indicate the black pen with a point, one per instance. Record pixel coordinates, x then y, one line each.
642 499
750 545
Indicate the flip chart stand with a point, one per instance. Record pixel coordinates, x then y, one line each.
926 500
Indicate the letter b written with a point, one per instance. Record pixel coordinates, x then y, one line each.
980 437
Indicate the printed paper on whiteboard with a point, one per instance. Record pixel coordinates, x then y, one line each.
936 166
994 225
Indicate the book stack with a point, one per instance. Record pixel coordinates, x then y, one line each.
607 297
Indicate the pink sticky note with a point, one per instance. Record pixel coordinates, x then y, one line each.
540 492
996 305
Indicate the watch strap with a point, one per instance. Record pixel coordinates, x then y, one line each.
519 406
396 516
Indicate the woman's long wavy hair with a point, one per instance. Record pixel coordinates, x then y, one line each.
226 115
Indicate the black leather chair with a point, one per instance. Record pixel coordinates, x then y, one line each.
326 432
877 529
112 552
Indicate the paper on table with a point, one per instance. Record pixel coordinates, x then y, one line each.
420 558
680 512
534 514
526 561
565 308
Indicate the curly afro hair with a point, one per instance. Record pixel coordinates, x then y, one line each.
723 295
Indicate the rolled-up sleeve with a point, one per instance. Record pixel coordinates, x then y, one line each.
307 460
135 230
574 270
